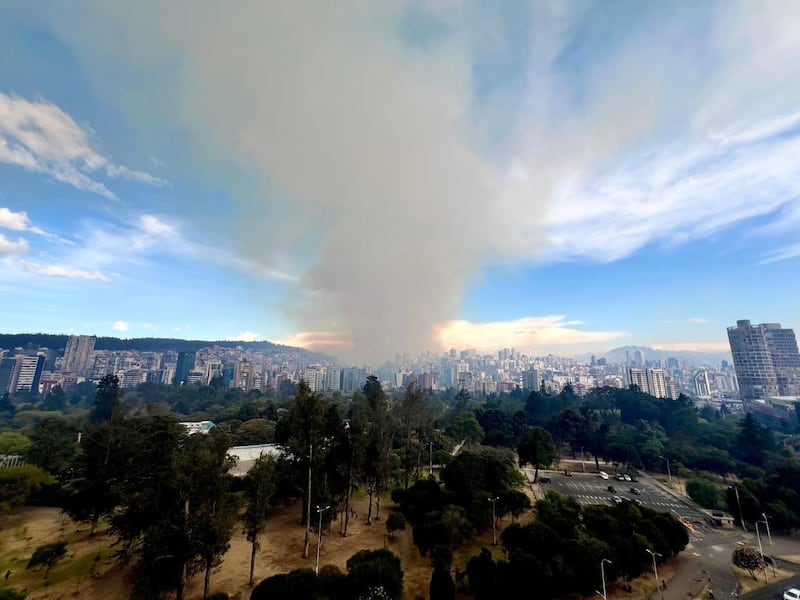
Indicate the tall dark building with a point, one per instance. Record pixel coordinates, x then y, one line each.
183 366
7 366
766 360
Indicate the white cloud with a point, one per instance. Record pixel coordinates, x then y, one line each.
697 320
62 271
120 326
16 221
38 136
10 247
529 334
245 336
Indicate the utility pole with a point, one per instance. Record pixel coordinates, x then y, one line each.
430 444
494 529
739 504
308 503
766 522
319 535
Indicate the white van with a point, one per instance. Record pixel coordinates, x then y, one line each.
791 594
603 475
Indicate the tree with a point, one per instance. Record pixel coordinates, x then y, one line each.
537 449
18 484
47 556
704 492
395 522
442 586
747 558
12 442
259 486
514 502
53 445
466 427
369 570
12 594
300 584
106 400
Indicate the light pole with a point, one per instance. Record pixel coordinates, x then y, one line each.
319 534
655 568
603 575
430 444
669 472
739 504
766 522
760 549
494 530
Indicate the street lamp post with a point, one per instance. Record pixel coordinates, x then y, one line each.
494 530
669 472
761 550
603 575
739 504
766 522
430 445
655 568
319 534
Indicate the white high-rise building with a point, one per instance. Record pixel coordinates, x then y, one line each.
314 377
333 379
27 374
638 377
657 383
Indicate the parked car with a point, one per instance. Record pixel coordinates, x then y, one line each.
636 491
626 477
568 473
638 502
791 594
616 499
603 475
544 480
619 477
612 489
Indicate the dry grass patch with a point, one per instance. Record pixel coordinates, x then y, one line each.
747 584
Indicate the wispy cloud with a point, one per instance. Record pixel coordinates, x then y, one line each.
53 270
697 320
39 136
120 326
694 346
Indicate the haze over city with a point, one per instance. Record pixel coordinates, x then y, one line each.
371 178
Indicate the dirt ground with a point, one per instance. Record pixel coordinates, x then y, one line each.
83 576
89 571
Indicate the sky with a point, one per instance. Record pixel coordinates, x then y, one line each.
366 178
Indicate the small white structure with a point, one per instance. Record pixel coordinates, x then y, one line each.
246 456
193 427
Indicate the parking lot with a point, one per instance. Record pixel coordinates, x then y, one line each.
589 488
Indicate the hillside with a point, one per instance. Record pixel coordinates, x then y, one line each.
59 342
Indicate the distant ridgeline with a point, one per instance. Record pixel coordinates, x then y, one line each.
59 342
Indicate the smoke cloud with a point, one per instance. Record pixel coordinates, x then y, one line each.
373 158
362 145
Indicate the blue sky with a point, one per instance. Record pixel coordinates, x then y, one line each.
379 177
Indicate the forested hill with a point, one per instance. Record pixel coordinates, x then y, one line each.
59 342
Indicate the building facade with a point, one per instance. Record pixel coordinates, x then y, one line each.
766 360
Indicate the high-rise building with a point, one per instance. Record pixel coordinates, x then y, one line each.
7 368
314 377
766 360
184 364
333 379
701 384
638 377
244 375
77 354
657 383
27 374
531 381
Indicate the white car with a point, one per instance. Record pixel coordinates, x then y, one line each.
603 475
791 594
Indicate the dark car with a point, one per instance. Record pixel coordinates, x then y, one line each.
544 480
636 491
612 489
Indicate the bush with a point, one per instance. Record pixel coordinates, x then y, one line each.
219 596
704 492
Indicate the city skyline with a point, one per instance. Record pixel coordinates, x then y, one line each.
368 180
